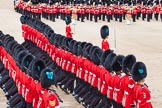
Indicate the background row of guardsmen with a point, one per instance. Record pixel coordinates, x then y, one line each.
119 11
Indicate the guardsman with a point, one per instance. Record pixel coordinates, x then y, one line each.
156 10
104 31
99 15
103 81
142 96
138 8
149 11
67 11
57 11
87 67
69 85
103 13
116 11
96 14
80 62
46 10
27 79
117 68
109 82
82 14
49 12
34 70
121 12
87 12
53 14
109 14
43 10
68 27
143 11
63 13
96 56
127 83
39 12
134 13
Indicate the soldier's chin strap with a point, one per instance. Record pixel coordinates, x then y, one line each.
56 95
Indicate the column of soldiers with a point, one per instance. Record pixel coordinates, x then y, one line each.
94 11
25 78
103 79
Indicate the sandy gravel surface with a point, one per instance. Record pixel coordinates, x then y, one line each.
143 39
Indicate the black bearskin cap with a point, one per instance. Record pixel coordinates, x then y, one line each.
26 62
36 67
128 62
96 55
104 31
80 49
117 63
47 77
67 20
139 71
104 55
108 61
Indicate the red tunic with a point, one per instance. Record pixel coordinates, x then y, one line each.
103 82
148 11
57 56
67 11
38 100
68 31
96 75
111 87
74 64
91 72
127 86
121 11
64 60
87 10
142 96
69 63
30 89
61 52
82 11
103 10
81 67
134 11
105 45
116 10
24 33
92 11
50 49
96 11
118 91
156 8
87 64
143 10
53 53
